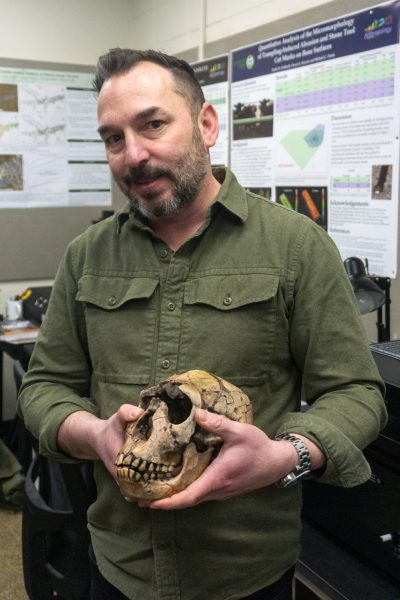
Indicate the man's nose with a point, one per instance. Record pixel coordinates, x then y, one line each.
135 151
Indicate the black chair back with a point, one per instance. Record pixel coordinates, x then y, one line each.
55 538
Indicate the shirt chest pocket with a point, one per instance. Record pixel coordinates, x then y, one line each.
120 319
229 325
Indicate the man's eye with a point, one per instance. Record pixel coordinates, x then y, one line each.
156 124
112 140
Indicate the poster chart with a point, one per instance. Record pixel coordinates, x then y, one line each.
50 152
212 74
315 127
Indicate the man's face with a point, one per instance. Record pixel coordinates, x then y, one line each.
155 151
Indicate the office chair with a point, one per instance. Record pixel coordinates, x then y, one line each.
55 538
25 442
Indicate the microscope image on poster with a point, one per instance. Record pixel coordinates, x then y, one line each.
382 182
309 201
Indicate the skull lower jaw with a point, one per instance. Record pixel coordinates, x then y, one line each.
150 484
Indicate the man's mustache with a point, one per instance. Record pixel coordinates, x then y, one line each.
144 173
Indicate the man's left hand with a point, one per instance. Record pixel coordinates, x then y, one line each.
248 460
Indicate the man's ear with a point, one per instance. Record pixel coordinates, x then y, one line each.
208 124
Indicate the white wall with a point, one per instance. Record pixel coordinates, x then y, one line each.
68 31
174 25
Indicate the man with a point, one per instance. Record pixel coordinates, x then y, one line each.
197 273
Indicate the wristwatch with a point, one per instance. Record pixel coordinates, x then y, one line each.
303 468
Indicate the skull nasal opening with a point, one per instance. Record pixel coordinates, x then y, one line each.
179 404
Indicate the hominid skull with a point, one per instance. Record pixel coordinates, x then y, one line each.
165 449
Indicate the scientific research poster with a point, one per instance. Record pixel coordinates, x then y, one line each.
50 152
212 74
315 127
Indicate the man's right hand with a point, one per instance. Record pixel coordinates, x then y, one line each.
83 435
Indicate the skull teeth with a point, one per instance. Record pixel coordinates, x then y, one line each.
133 468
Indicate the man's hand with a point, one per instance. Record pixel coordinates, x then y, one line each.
83 435
248 460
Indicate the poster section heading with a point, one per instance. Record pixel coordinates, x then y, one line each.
333 39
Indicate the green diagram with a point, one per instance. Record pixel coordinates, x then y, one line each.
302 145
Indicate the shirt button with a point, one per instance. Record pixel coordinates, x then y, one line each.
164 253
171 306
227 301
165 363
112 301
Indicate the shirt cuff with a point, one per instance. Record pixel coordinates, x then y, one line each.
346 465
48 438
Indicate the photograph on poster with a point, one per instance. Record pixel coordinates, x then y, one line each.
253 120
382 182
11 173
309 201
8 97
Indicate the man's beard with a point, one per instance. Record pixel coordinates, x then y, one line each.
187 178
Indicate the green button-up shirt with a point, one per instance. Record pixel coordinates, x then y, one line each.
258 296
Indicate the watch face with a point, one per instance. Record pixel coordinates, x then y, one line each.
292 479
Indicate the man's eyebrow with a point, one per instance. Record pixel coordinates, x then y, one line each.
143 114
148 112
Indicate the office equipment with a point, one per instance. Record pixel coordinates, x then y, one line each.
366 519
372 293
36 303
387 358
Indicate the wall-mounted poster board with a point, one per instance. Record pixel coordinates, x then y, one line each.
212 74
315 126
53 170
50 151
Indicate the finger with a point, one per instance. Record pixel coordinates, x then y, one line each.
215 423
129 412
197 492
183 499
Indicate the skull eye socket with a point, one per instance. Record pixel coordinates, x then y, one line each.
179 404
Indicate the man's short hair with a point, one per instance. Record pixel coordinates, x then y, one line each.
118 61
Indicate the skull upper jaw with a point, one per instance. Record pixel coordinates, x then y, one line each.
193 464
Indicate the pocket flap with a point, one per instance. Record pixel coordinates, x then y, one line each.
112 292
231 291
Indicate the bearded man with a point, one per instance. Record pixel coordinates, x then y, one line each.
197 273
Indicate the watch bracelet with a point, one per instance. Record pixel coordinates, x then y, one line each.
304 464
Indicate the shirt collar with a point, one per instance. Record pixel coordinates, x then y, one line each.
231 196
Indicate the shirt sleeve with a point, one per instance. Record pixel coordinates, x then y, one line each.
341 383
58 380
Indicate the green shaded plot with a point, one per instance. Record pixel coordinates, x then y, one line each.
302 145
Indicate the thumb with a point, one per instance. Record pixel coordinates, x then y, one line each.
129 412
